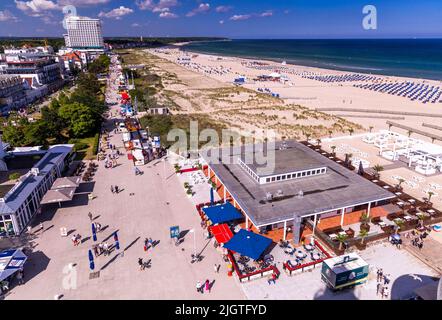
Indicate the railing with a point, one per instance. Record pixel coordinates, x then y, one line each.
291 270
252 275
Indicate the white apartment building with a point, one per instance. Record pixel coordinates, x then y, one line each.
83 33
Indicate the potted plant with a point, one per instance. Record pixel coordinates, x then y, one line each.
186 185
365 221
333 148
398 186
341 238
378 168
363 234
14 176
177 168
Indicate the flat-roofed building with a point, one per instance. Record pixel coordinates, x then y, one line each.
83 33
300 184
20 202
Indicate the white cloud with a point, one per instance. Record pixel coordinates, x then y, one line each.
82 3
223 9
168 15
36 8
202 8
240 17
221 22
267 13
156 6
6 15
116 13
135 25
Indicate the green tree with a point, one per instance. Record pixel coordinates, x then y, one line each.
35 134
363 234
80 119
378 168
341 238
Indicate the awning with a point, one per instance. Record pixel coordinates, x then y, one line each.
248 244
222 213
58 195
221 232
10 262
66 182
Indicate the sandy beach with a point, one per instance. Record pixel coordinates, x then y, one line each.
311 93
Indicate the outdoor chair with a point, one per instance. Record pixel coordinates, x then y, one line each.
350 233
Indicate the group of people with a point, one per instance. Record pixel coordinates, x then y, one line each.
76 239
143 264
148 243
207 286
102 248
383 281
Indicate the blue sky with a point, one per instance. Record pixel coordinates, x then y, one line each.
228 18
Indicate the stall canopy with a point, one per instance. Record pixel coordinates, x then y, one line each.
66 182
248 244
58 195
222 213
10 262
221 232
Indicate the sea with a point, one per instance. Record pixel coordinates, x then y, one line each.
414 58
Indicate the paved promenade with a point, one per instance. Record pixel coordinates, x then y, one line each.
146 207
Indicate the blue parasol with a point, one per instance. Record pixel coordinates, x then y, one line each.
94 232
91 260
117 243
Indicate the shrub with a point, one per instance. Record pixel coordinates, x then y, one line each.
96 143
14 176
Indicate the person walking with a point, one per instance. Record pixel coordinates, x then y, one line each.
381 273
199 287
378 288
141 264
116 189
216 267
90 215
207 285
112 189
20 277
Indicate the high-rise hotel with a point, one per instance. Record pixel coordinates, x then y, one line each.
83 33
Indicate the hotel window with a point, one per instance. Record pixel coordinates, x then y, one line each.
303 174
273 179
283 177
268 180
322 170
289 176
278 178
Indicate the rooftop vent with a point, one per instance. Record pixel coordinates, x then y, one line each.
269 196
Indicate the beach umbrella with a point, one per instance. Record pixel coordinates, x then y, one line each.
91 260
94 232
211 197
117 243
361 169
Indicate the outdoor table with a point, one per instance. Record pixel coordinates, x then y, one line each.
332 236
411 200
382 224
330 157
400 203
324 153
431 211
375 181
407 218
342 233
398 193
339 161
386 187
300 254
309 247
316 256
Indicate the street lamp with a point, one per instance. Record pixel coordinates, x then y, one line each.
194 241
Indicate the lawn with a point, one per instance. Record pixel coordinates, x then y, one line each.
86 153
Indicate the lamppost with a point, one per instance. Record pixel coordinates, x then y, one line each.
194 241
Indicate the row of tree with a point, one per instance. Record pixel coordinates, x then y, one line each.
67 117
